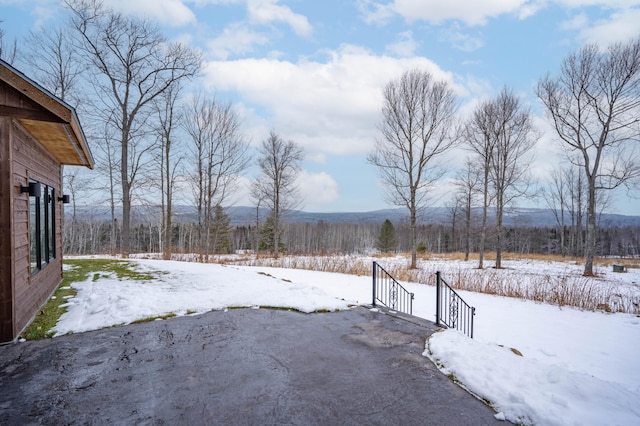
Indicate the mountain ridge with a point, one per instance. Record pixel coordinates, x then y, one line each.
245 216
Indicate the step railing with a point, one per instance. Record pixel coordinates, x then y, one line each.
388 292
451 310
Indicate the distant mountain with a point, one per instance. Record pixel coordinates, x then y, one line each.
241 215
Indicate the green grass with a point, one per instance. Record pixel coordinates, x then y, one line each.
48 315
81 270
157 317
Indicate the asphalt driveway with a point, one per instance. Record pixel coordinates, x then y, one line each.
239 367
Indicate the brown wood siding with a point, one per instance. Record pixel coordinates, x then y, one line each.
31 161
6 237
55 137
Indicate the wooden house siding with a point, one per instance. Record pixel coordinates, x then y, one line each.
38 134
6 234
32 161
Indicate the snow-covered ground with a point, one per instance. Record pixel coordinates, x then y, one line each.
577 367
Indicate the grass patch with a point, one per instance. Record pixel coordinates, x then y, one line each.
279 308
157 317
48 315
79 270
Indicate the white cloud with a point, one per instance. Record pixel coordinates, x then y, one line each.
375 13
620 26
236 39
461 40
44 14
473 13
317 189
169 12
608 4
578 22
268 11
329 107
531 8
405 47
243 37
207 2
437 11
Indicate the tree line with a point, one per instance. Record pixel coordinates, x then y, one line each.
319 238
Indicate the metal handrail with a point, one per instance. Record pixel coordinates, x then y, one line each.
457 313
389 292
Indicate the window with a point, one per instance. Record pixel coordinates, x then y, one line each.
42 219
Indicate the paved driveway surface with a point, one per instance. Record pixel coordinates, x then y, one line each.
243 366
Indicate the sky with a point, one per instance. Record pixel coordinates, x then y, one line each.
575 367
314 71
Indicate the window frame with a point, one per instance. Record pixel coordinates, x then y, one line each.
42 227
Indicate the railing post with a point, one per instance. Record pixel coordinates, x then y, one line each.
473 314
374 284
411 305
438 298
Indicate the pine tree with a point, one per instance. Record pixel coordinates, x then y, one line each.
387 240
267 235
221 231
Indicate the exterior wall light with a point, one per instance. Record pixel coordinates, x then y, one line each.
34 189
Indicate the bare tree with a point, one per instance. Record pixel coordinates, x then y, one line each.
70 181
279 163
417 119
8 50
132 64
219 155
577 195
557 197
109 166
594 105
501 135
168 116
55 63
454 207
514 138
478 137
468 181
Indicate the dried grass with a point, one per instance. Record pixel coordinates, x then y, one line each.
563 289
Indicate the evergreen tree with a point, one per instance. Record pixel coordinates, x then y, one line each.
267 233
387 240
221 231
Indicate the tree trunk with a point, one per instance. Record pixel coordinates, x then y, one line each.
483 231
413 237
125 248
591 230
467 228
499 211
168 189
276 225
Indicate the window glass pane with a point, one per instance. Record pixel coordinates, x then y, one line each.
33 233
52 224
43 220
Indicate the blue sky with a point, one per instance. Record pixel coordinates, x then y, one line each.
313 71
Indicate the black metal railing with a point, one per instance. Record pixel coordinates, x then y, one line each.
389 292
451 310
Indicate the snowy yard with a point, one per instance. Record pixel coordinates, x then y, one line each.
577 367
